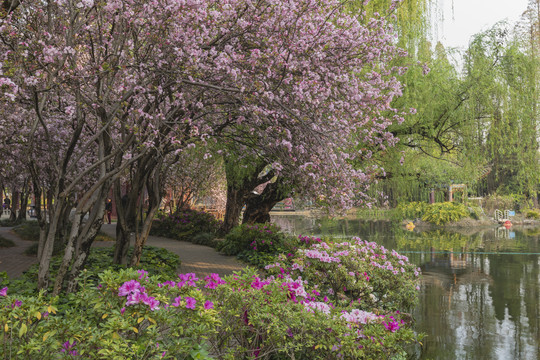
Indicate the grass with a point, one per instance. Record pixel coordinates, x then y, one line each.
101 236
5 243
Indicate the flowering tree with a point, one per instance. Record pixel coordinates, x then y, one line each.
102 86
86 86
332 87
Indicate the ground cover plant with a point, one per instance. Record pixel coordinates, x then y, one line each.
156 261
356 310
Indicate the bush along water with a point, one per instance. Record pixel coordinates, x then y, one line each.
446 212
437 213
328 301
186 225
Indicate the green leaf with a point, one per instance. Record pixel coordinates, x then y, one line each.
23 330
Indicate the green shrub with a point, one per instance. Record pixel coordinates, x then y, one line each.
446 212
532 214
411 210
5 243
262 237
9 223
475 212
206 239
28 230
184 224
256 244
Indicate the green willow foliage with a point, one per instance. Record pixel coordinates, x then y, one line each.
476 126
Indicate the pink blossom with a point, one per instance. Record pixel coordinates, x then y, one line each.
208 304
190 303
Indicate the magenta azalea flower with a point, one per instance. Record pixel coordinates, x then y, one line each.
68 347
190 303
3 292
142 274
208 304
130 287
176 302
151 302
188 279
392 326
213 281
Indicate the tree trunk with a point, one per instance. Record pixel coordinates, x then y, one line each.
125 226
90 232
126 209
233 208
14 206
238 190
258 206
22 211
143 236
47 249
154 189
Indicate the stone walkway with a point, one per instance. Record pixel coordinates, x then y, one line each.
198 259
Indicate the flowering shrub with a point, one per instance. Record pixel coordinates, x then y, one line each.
261 244
327 301
184 224
359 272
282 318
128 315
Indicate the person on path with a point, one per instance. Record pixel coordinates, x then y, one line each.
7 203
108 209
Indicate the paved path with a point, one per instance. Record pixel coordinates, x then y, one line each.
198 259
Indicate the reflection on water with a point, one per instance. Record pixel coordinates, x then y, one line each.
480 296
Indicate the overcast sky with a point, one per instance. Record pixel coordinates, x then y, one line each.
470 17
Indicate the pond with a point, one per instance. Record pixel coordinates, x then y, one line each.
480 292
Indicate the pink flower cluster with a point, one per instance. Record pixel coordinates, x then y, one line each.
317 306
213 281
320 255
295 288
358 316
190 279
136 294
